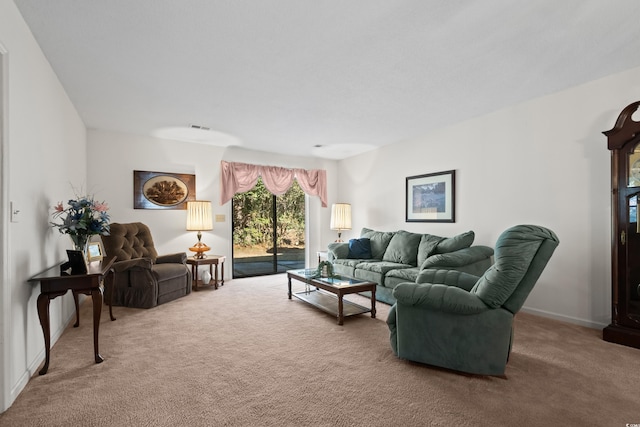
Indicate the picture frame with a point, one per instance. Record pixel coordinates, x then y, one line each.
95 251
77 263
162 190
431 197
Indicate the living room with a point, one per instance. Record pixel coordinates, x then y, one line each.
540 161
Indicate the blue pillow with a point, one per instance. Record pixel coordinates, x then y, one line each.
359 249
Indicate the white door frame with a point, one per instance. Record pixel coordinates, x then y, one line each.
5 285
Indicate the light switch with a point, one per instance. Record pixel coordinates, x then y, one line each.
220 218
15 212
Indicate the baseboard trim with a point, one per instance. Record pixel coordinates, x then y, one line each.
32 368
576 321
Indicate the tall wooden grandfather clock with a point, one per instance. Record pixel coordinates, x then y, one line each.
624 142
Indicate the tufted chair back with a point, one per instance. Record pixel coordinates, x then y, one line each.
129 241
141 278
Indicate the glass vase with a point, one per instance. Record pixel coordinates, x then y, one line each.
80 243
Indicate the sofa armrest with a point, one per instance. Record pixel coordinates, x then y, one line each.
140 263
459 258
177 258
449 299
337 250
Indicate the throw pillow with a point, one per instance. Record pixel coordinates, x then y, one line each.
427 247
455 243
403 248
360 249
379 241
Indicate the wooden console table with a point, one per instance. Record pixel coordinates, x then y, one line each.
54 284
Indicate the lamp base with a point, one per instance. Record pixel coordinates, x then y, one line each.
200 249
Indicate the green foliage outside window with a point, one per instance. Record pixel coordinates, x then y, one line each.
252 217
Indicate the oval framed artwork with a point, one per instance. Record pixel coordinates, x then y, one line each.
162 190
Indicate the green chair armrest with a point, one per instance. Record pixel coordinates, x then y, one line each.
455 278
449 299
458 258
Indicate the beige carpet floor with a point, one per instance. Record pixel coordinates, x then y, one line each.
245 355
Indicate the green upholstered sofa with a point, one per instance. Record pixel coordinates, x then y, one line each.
400 256
464 322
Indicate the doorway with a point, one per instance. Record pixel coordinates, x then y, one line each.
268 231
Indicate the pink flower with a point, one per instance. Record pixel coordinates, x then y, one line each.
100 207
58 207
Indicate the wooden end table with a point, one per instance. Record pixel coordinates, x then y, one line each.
210 260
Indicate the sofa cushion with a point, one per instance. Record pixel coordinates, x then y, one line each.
169 271
427 247
400 275
379 241
343 269
403 248
348 262
380 267
455 243
359 248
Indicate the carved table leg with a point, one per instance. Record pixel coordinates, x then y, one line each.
340 310
43 314
195 276
373 302
75 301
96 296
222 273
112 290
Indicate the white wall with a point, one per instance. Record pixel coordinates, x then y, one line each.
543 162
46 152
112 158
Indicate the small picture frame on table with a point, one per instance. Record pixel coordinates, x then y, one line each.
95 251
77 263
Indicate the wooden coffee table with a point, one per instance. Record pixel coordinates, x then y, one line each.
326 293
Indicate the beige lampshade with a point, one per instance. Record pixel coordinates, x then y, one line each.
199 217
341 216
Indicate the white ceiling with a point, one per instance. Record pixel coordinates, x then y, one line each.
286 75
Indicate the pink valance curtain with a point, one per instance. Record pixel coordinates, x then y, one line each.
241 177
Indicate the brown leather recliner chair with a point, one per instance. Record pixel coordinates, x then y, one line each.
141 278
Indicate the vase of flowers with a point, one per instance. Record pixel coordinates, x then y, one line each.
82 218
325 269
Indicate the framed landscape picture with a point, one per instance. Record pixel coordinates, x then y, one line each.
431 197
162 190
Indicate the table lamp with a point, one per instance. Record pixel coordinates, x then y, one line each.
199 219
340 218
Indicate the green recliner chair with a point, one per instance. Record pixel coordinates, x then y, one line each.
463 322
